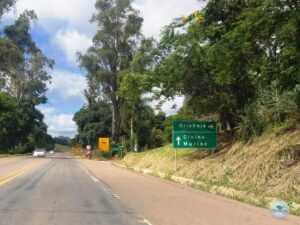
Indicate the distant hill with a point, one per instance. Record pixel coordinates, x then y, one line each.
61 148
61 140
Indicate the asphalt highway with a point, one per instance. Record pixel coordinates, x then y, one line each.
59 192
63 190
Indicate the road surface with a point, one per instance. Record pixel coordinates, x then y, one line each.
63 190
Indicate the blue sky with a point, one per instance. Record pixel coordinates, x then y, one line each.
63 28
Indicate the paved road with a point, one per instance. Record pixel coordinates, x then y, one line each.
62 190
59 192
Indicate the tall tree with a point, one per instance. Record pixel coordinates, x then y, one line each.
27 79
5 5
93 122
113 46
23 78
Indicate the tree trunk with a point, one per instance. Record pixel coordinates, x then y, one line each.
116 120
136 144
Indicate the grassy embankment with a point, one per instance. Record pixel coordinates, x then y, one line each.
256 172
77 151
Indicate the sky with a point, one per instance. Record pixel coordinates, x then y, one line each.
63 29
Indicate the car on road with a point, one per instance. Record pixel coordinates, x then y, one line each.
51 152
39 153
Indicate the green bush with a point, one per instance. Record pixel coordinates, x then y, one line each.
157 138
271 107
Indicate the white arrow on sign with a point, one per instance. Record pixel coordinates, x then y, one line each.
178 139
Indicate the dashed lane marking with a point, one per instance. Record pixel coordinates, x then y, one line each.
106 189
111 193
94 179
144 221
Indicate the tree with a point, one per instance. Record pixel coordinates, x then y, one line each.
27 78
9 122
23 78
5 5
220 57
113 47
93 122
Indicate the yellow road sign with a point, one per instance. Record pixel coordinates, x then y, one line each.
103 144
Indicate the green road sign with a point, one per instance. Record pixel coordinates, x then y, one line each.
194 134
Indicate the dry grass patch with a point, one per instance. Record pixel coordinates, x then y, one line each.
267 167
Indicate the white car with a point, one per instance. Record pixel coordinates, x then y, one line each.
39 153
51 152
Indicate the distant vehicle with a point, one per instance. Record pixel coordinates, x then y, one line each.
39 153
51 152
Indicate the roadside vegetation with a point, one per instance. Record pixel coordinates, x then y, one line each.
235 62
61 148
23 78
255 172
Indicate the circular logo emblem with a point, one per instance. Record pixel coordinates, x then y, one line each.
279 209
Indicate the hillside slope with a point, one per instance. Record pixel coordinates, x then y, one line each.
268 167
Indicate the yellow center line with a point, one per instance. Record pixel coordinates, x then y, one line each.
6 179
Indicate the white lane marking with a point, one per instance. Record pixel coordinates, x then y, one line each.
104 189
116 196
111 193
94 179
145 221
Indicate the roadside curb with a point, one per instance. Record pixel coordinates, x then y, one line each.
214 189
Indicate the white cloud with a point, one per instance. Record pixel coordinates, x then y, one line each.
74 14
59 124
71 41
67 23
167 107
47 110
67 84
170 107
158 13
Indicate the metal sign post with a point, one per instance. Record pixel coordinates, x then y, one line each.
175 152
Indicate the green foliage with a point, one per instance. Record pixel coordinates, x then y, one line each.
10 55
22 126
169 123
271 107
157 138
25 68
9 122
219 57
19 32
237 62
5 5
23 77
112 51
93 122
